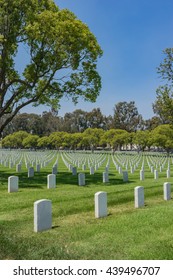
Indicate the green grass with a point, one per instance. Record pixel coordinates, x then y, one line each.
126 233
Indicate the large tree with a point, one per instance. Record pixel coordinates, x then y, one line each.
142 139
95 119
75 121
152 123
60 57
163 106
126 116
162 137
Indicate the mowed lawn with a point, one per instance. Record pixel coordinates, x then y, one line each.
126 233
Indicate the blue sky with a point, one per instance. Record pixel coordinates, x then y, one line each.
133 35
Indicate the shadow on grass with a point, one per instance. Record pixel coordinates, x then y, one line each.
55 226
64 178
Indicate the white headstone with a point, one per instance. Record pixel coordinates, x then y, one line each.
100 204
141 175
27 165
38 167
81 179
11 165
167 191
107 169
31 172
18 167
125 176
83 167
156 174
105 177
168 173
132 169
119 169
54 170
51 181
91 170
74 170
139 197
152 169
96 167
42 215
13 182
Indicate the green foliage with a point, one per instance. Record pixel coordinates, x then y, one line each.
43 142
165 70
61 57
57 139
126 116
142 139
163 105
92 138
31 141
15 140
115 138
162 136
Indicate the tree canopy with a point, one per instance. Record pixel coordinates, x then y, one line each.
60 53
126 116
162 136
163 106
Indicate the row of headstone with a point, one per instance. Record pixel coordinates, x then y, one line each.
11 158
156 174
142 173
43 208
81 178
123 161
139 194
13 183
93 164
43 211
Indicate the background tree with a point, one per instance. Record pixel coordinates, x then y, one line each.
163 105
56 41
31 123
75 121
152 123
43 142
75 140
71 140
165 69
31 141
142 139
91 138
115 138
162 137
15 140
8 141
95 119
109 122
57 139
51 123
126 116
120 139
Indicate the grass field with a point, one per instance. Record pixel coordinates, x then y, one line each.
126 233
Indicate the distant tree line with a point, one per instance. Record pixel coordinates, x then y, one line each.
125 116
95 138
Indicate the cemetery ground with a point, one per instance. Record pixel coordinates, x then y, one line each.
126 233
